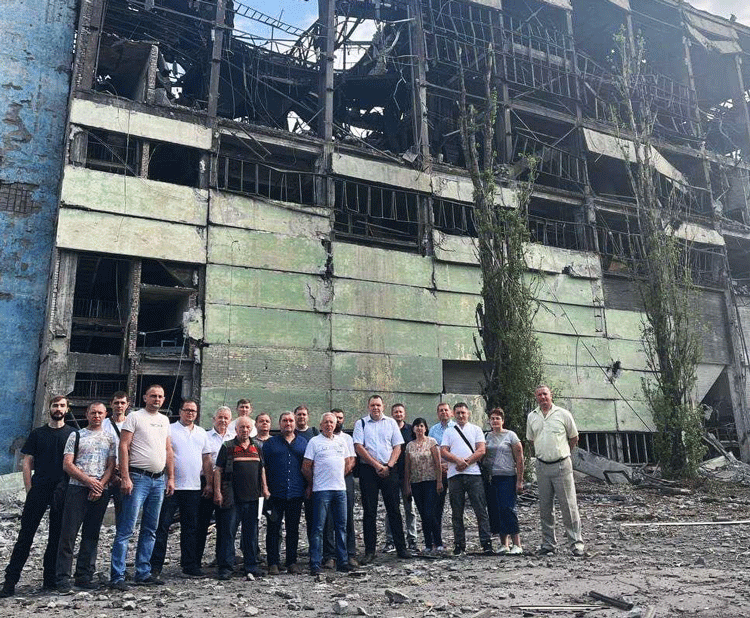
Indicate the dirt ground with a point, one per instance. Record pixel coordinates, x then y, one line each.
700 570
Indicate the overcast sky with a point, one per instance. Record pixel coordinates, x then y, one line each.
724 8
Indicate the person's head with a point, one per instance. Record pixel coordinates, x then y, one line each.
286 423
243 428
375 407
543 396
420 428
188 412
444 412
497 419
339 414
95 414
462 413
327 424
119 403
398 413
244 408
263 424
58 407
222 418
154 398
301 417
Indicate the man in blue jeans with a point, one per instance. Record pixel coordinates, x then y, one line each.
327 460
147 470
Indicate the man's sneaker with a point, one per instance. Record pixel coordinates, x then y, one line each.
404 554
329 564
354 562
225 575
294 569
516 550
389 548
119 585
64 588
314 571
151 580
189 573
254 573
458 550
440 550
504 549
86 584
579 551
487 549
413 546
345 568
368 557
7 591
273 569
545 551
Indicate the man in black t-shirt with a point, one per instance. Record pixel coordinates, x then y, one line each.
43 453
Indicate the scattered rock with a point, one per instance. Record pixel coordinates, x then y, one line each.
251 610
341 607
129 605
396 596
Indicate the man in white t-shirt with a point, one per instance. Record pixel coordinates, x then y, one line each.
327 461
192 456
147 470
463 446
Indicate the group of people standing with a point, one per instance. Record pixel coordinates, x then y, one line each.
237 470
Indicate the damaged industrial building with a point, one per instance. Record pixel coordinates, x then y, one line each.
287 216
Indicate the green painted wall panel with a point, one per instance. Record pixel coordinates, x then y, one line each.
574 351
359 334
252 326
383 300
382 372
590 414
457 342
263 250
458 278
457 309
565 289
254 287
354 404
569 319
273 401
623 324
591 383
257 214
370 264
634 416
456 249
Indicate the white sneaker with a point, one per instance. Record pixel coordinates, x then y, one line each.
504 549
516 550
440 549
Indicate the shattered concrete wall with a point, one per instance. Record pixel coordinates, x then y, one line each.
35 58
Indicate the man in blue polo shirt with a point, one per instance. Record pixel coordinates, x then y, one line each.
283 455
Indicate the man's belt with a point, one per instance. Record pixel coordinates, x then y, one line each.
549 463
153 475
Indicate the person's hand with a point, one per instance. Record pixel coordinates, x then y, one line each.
383 471
308 492
170 487
519 486
126 486
462 465
208 491
439 486
95 485
218 498
266 493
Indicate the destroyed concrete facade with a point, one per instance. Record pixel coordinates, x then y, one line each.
287 217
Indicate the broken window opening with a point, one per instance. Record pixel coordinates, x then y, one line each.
100 305
463 377
738 258
175 164
249 177
720 413
454 217
555 225
378 214
633 448
112 152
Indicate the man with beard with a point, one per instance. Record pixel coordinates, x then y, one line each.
43 453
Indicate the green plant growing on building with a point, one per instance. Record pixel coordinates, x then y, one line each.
510 353
661 270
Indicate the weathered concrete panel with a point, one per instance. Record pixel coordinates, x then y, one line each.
266 399
140 124
360 334
354 404
370 264
461 189
591 414
457 309
457 342
257 214
35 57
383 372
569 319
476 406
624 324
555 260
383 300
558 288
274 328
115 234
251 287
592 383
263 250
633 415
380 172
458 278
455 249
134 197
591 351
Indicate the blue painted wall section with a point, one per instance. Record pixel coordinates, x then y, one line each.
35 61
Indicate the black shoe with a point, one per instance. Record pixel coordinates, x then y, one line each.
151 580
487 549
545 551
192 572
404 554
86 584
330 563
458 550
7 591
314 571
225 575
119 585
64 588
413 546
254 572
345 568
368 557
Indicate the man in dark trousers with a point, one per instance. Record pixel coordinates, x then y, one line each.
43 453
